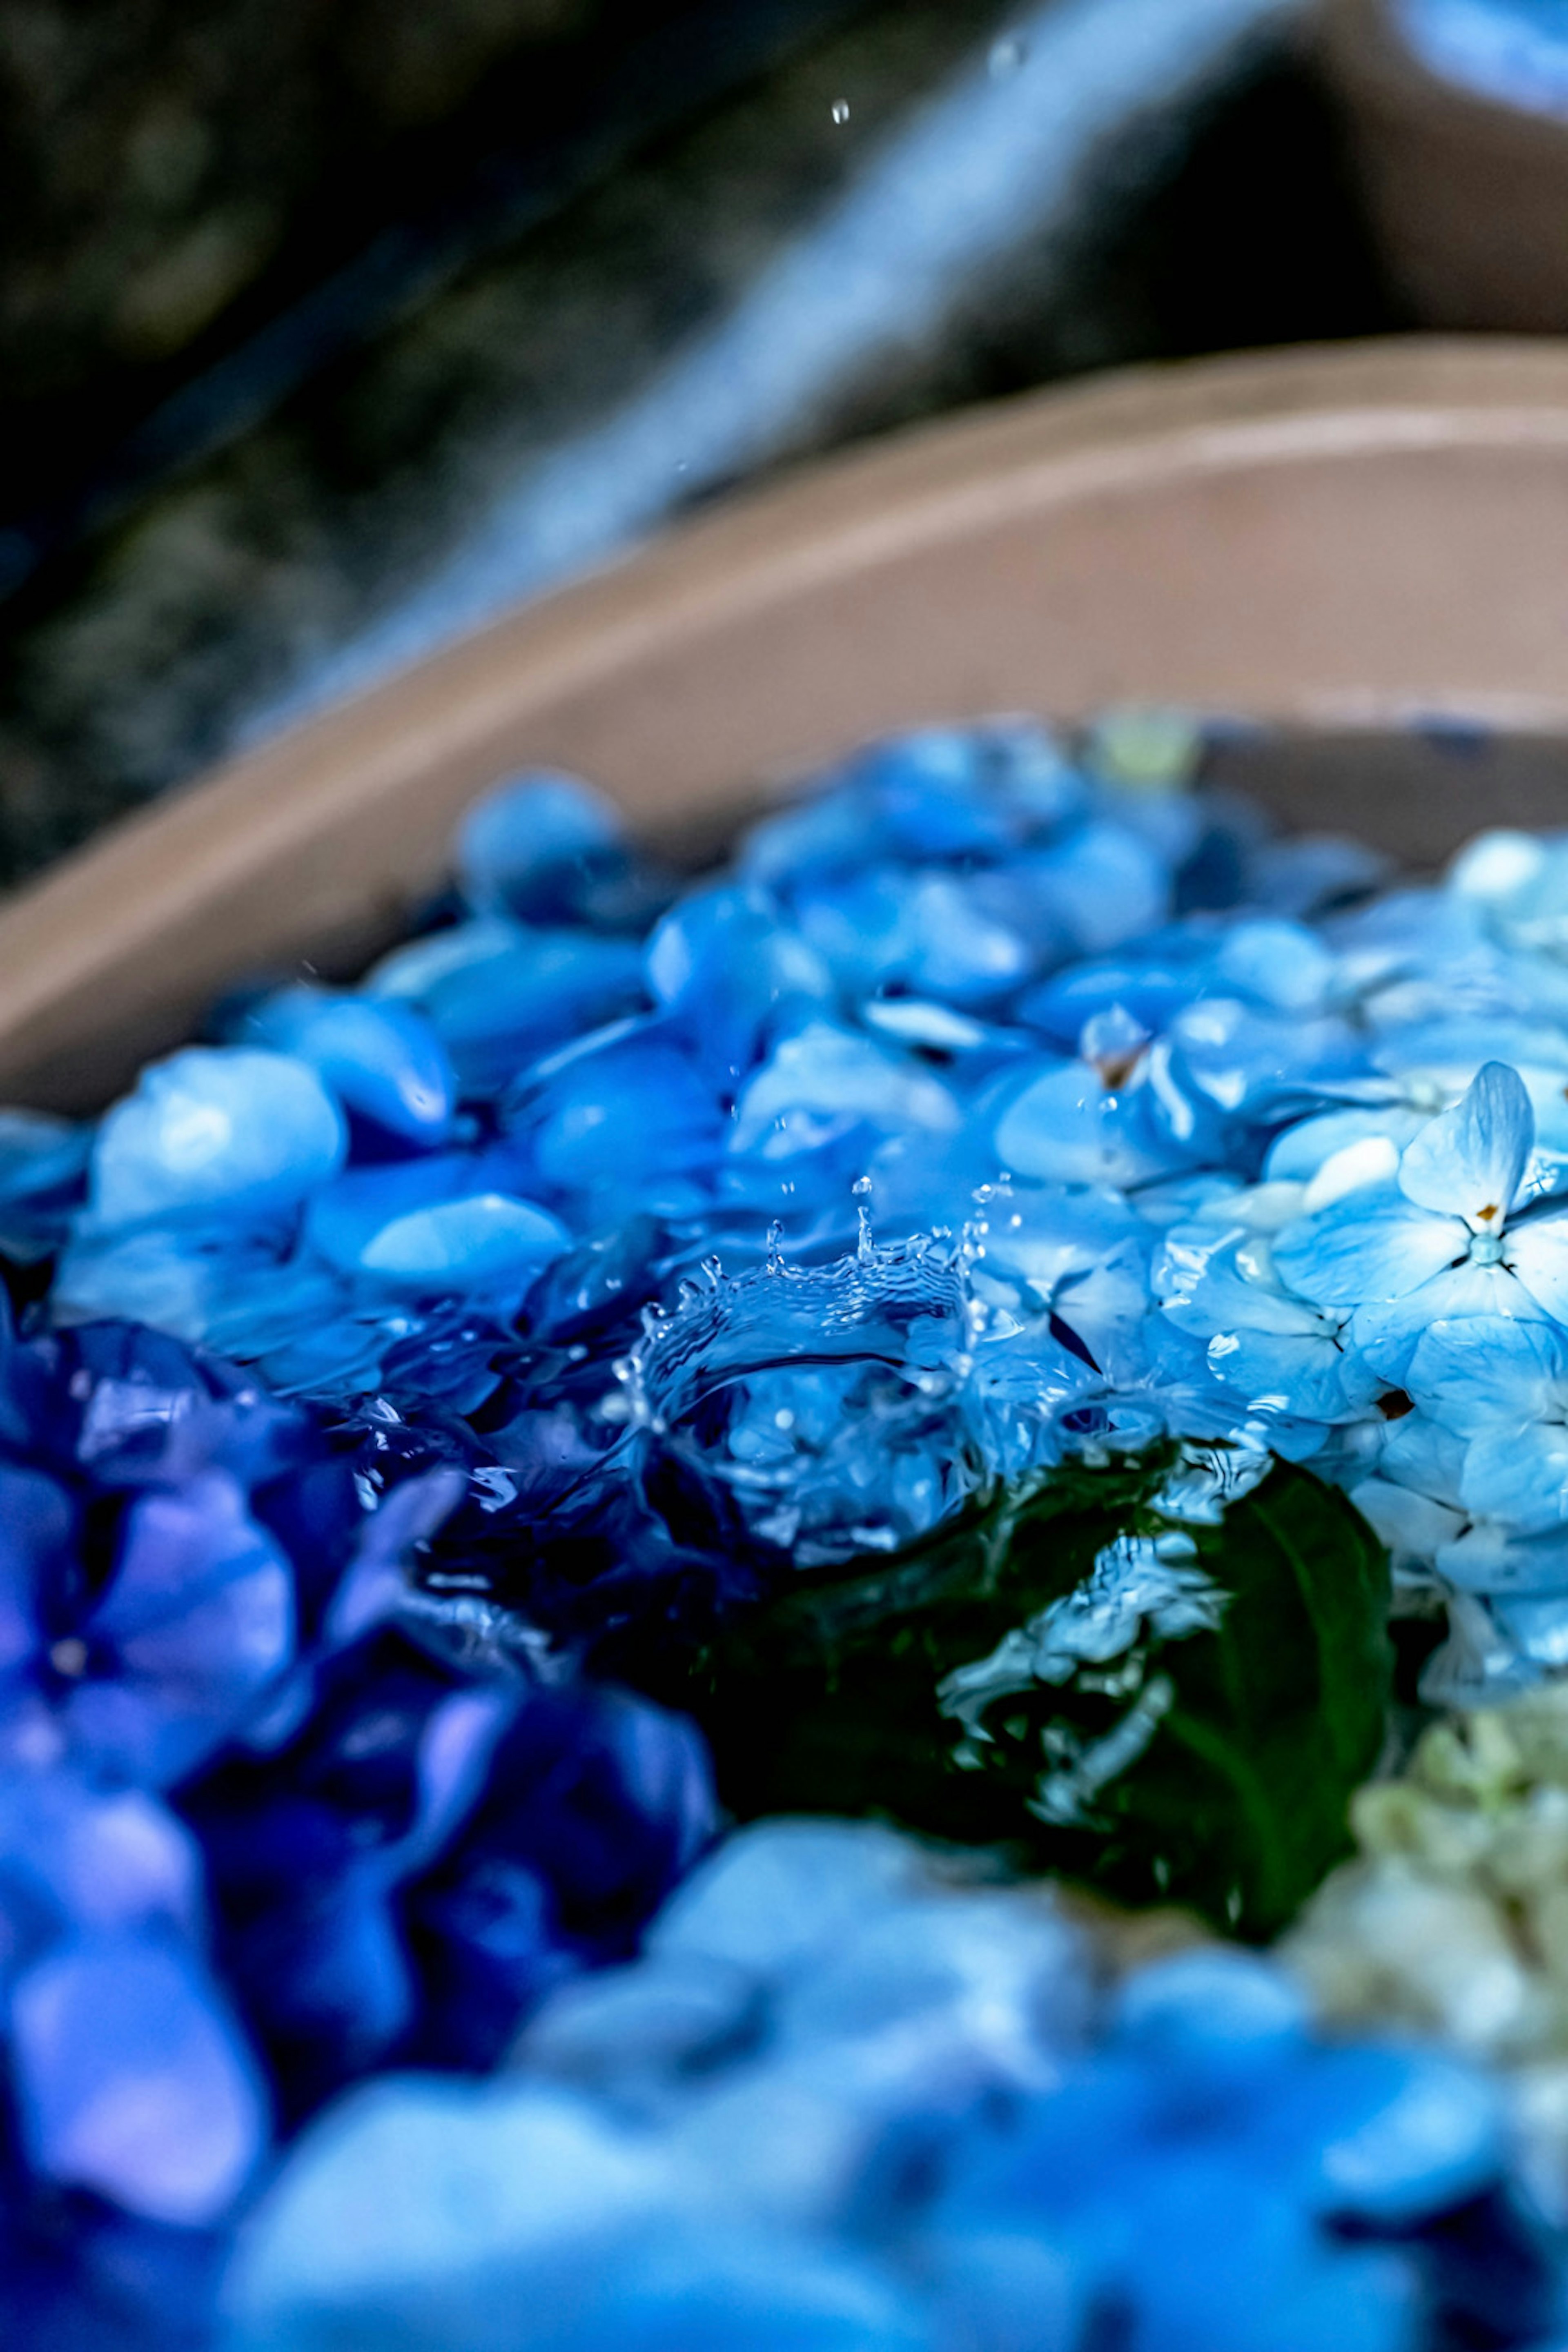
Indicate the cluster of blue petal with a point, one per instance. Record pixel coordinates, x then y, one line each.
847 2102
1193 1131
616 1248
266 1819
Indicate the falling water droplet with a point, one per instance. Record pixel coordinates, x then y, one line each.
861 1186
1006 56
840 109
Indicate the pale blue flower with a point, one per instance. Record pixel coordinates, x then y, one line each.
1502 1385
1437 1241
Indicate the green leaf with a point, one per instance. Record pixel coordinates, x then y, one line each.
1171 1706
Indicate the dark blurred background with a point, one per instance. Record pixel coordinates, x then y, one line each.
327 326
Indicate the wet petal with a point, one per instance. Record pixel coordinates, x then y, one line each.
1469 1161
1369 1245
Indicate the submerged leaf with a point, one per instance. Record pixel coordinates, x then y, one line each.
1165 1676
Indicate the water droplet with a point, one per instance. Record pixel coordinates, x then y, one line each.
861 1186
1006 56
840 109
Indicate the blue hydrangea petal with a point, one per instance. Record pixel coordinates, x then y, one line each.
1299 1152
488 1241
1392 2137
1067 1127
327 1982
938 793
1387 1332
43 1174
1209 2284
935 1029
1276 963
929 933
684 2288
1469 1161
1533 1635
1101 886
215 1133
1537 1249
1009 2286
781 1892
1213 2018
617 1130
1302 1375
1520 1475
1261 1066
178 1282
1481 1367
1485 1558
1421 1452
413 2180
499 994
728 967
1203 1287
1414 1526
199 1618
1079 1257
527 847
822 1082
347 1213
637 2033
262 1310
383 1061
1371 1246
131 2079
106 1863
